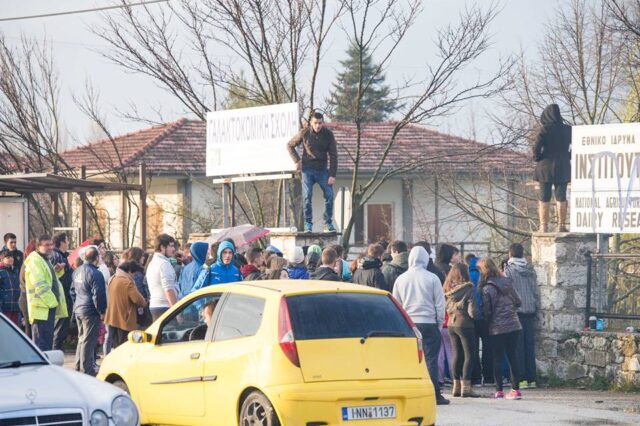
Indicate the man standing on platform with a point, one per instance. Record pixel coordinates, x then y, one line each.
317 142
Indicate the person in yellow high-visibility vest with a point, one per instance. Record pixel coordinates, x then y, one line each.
45 295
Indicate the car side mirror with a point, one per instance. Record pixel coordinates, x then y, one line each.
139 336
55 357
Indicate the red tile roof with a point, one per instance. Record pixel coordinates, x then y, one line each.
179 147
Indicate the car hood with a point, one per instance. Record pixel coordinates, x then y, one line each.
49 386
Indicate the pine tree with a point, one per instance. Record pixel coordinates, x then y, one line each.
375 104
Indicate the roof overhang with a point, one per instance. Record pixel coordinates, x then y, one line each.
52 183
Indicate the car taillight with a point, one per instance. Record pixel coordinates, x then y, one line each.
285 334
413 327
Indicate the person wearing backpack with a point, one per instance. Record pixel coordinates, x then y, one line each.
500 302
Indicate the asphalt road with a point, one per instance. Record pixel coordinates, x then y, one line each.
544 407
538 407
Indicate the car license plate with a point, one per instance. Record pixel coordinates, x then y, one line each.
369 412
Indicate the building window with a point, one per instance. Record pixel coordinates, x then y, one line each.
379 222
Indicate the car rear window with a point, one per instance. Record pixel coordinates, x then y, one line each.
344 315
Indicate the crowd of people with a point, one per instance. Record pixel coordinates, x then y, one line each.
477 320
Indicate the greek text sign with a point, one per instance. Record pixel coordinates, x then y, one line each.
605 178
251 140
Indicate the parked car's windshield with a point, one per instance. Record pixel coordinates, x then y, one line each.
15 350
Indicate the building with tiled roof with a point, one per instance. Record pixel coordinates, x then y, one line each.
411 205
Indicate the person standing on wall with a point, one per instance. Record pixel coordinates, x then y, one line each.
318 143
552 154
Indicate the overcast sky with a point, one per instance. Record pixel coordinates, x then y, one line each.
519 25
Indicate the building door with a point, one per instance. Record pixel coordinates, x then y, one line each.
379 222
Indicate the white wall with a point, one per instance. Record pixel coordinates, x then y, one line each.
455 225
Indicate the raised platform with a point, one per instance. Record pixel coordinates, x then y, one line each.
287 241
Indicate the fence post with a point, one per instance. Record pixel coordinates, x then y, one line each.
587 312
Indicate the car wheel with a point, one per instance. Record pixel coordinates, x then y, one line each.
257 410
120 384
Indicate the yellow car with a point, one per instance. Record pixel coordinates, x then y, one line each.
291 353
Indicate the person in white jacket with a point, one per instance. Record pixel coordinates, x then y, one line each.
420 294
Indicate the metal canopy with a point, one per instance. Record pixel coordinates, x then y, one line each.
52 183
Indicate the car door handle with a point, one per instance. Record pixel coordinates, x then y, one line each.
195 355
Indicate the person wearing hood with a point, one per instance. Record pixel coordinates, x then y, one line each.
500 302
431 267
526 284
552 154
190 272
399 263
369 272
222 271
327 272
297 269
342 266
314 258
252 270
420 294
462 309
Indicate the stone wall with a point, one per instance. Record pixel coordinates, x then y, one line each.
591 354
562 347
561 267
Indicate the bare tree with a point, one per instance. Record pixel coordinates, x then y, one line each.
582 65
378 27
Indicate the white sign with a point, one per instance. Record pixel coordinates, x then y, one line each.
251 140
605 178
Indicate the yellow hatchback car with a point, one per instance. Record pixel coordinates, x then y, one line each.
291 353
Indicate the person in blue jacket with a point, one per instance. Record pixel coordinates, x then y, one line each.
190 273
222 271
481 368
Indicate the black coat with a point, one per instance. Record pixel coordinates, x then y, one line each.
551 151
325 273
370 274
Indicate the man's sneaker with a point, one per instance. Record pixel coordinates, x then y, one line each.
308 227
514 394
532 385
524 384
499 395
329 227
441 400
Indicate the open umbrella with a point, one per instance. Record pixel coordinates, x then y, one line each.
241 235
74 254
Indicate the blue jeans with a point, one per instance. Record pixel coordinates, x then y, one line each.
42 331
321 177
431 341
527 347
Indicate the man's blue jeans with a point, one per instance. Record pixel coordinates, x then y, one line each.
321 177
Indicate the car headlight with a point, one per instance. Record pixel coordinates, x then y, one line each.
99 418
124 411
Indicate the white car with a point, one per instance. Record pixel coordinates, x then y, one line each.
36 390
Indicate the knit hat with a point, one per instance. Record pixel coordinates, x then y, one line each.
298 255
314 248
